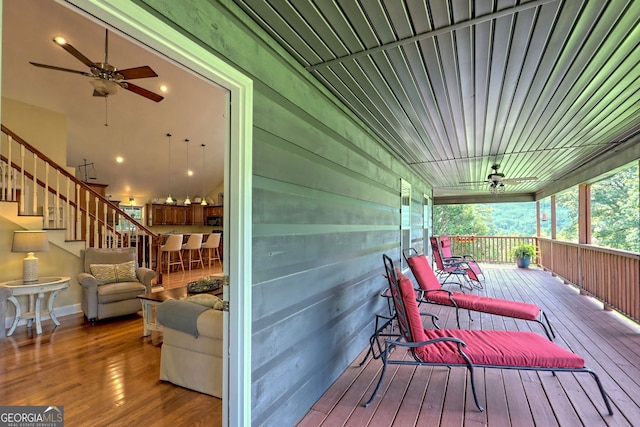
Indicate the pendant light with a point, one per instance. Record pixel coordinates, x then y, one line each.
187 201
169 199
204 201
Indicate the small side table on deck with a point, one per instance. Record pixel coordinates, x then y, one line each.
36 292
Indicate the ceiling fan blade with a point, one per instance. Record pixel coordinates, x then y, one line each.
142 91
519 180
138 73
73 51
68 70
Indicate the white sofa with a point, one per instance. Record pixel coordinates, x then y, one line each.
189 361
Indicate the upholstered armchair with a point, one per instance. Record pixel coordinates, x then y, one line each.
111 282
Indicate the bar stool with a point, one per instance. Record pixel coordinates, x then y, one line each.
194 242
171 246
212 243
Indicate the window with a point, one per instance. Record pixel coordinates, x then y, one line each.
405 220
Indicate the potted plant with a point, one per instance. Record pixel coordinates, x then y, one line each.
523 253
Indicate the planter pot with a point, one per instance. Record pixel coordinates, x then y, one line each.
523 262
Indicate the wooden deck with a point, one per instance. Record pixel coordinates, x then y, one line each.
436 396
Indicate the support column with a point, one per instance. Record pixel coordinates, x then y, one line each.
553 217
584 214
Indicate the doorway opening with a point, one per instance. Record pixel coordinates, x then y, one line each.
154 36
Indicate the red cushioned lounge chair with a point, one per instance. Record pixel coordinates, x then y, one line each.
469 349
430 291
445 248
454 267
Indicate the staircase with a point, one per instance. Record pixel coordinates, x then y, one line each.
36 193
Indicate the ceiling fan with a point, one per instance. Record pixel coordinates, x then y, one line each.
497 181
106 79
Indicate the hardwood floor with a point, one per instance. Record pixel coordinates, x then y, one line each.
103 375
436 396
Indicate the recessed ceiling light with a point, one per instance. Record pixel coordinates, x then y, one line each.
163 88
60 40
119 159
190 172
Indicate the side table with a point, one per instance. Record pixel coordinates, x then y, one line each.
36 292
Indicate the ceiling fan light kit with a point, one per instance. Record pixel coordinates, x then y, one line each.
103 87
497 180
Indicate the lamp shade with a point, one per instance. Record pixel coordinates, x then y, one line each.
30 241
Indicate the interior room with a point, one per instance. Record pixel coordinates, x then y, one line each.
153 147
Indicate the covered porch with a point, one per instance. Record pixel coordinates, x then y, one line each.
409 396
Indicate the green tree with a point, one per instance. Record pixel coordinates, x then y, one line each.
567 215
615 217
462 220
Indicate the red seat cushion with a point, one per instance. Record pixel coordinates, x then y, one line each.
501 307
499 348
496 348
423 273
411 306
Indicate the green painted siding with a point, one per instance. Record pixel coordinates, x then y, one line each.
326 206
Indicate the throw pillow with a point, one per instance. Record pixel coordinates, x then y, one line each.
104 273
126 272
208 300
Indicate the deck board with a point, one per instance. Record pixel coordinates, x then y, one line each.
438 396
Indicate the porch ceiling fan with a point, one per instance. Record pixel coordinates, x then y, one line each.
497 180
105 78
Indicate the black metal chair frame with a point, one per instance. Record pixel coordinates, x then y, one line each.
406 335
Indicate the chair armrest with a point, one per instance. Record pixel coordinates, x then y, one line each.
145 276
87 280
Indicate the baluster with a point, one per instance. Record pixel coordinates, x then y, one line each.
23 194
34 201
57 201
66 215
78 227
87 220
97 238
45 206
10 192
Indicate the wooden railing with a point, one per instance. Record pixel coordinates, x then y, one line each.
609 275
41 187
488 248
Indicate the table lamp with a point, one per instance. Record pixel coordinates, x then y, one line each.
30 242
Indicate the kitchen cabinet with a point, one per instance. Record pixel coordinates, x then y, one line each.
213 211
213 216
174 214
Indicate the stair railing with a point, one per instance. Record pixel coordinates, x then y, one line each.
42 187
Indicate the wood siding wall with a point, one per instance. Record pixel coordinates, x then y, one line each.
326 199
